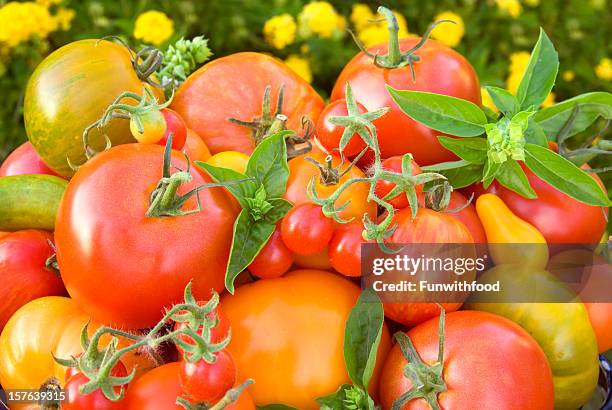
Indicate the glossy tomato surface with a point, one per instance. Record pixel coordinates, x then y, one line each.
440 70
287 334
24 160
233 87
123 267
489 363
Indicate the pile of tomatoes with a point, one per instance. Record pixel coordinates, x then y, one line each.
108 212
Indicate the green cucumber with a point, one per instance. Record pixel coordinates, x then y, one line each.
30 201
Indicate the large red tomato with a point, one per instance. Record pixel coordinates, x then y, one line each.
440 70
23 271
558 217
489 363
123 267
233 87
24 160
429 227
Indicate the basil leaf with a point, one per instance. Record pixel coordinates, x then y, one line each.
280 207
450 115
240 191
268 164
539 77
248 239
590 106
276 407
512 176
473 150
504 100
335 400
347 397
534 134
564 175
362 335
489 173
459 173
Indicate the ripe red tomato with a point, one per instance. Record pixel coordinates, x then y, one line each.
305 230
384 187
440 70
176 126
195 148
273 260
75 400
468 216
212 94
329 134
558 217
208 382
489 363
429 227
24 160
345 248
23 271
137 265
217 333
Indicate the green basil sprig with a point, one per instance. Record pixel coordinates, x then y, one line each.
261 199
362 334
491 150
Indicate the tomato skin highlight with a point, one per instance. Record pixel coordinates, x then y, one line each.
487 359
23 271
288 332
305 230
440 70
208 382
329 134
384 187
24 160
273 260
102 229
212 94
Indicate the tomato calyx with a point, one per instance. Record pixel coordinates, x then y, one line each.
395 58
145 62
330 174
427 380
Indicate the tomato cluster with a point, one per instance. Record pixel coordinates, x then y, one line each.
212 252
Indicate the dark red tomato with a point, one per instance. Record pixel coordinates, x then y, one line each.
217 333
345 248
558 217
213 94
273 260
487 359
429 227
384 187
205 382
23 271
305 230
24 160
440 70
137 265
75 400
176 126
330 134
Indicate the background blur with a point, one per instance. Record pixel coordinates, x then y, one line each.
312 37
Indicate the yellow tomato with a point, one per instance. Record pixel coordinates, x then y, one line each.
230 159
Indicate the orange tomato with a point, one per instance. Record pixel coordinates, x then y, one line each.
315 261
195 148
287 335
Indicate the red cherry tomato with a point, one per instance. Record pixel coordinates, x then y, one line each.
273 260
330 134
217 333
75 400
207 382
345 248
305 230
176 126
24 160
384 187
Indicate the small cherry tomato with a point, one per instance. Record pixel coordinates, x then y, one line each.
384 187
217 333
195 148
345 249
153 127
273 260
176 126
329 134
207 382
24 160
230 159
75 400
305 230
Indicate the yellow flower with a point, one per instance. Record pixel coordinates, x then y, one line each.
518 65
48 3
279 31
320 18
550 100
512 7
19 22
532 3
604 69
153 27
63 18
448 33
568 75
361 16
487 101
300 65
374 31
